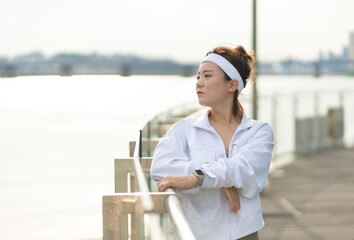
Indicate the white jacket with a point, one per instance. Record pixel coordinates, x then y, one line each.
194 144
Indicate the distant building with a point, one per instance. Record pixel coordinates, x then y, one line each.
345 53
125 70
66 70
351 46
9 71
351 52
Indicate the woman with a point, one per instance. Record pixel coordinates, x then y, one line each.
219 162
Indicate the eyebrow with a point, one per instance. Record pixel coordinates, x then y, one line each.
206 71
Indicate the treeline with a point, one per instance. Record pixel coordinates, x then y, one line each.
91 64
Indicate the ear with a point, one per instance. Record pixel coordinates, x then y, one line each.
233 85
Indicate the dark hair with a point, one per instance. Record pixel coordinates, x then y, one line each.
243 62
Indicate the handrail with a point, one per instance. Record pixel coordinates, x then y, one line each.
148 203
173 203
178 218
154 228
154 221
295 94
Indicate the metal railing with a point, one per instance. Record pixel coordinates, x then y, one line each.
148 203
322 118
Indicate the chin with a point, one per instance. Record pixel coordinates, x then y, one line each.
203 103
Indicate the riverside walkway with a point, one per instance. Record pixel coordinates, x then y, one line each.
312 198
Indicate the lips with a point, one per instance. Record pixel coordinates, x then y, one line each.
199 92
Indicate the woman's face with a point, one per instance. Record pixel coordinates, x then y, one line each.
211 87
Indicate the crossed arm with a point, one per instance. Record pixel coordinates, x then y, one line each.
190 181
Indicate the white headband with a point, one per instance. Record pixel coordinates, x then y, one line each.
226 66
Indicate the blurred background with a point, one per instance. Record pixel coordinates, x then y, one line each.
80 78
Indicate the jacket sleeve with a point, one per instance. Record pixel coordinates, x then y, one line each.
248 169
170 157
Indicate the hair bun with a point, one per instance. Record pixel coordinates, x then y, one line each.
241 51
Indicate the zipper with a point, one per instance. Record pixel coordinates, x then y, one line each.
239 128
227 152
220 139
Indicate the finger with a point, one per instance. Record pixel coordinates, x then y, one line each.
238 201
165 186
162 185
232 197
231 200
235 197
234 206
228 196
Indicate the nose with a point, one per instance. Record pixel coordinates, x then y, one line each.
198 83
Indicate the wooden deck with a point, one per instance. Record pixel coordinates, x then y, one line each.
312 198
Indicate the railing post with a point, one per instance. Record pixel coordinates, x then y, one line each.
137 220
274 120
140 153
149 137
116 227
124 166
294 106
295 113
341 99
122 204
315 123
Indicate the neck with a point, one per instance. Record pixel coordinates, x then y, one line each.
222 113
223 116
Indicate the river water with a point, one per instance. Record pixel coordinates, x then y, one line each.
59 136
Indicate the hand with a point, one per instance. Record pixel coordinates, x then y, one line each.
183 182
233 198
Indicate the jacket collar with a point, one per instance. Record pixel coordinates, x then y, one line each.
204 123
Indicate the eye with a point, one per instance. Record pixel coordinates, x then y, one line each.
207 75
198 77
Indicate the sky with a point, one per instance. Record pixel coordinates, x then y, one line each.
182 30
